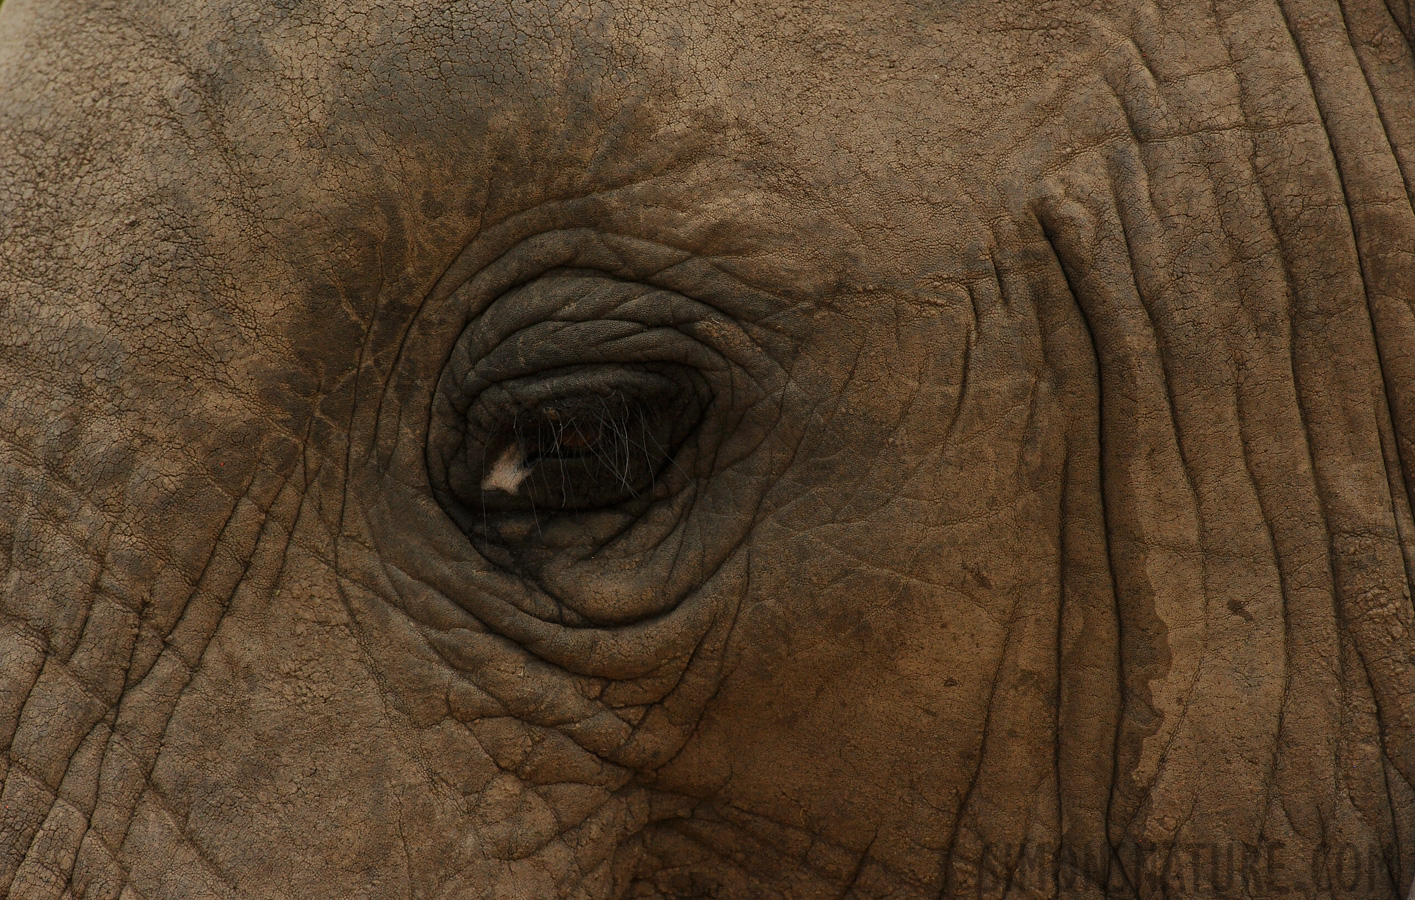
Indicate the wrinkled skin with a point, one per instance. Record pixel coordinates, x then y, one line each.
1030 394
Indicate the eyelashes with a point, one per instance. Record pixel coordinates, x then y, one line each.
596 437
577 451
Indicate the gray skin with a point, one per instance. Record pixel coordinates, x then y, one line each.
999 484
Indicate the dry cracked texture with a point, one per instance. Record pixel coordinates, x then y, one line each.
713 449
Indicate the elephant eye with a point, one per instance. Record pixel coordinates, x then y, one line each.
585 428
596 437
577 452
591 436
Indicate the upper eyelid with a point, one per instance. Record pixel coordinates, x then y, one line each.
525 391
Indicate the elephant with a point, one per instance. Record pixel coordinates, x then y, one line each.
738 449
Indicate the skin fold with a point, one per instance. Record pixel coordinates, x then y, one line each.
973 440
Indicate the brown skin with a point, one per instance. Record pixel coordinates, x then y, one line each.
1050 495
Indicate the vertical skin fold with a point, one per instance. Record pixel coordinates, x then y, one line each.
1244 263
